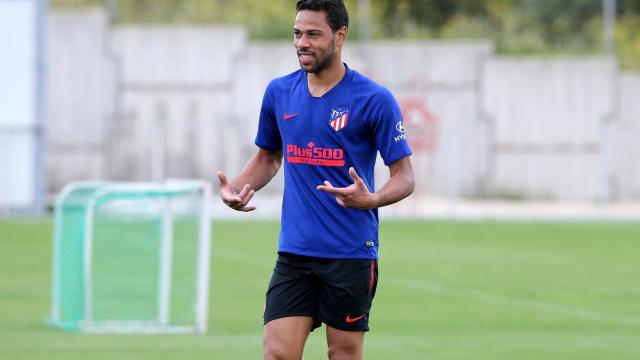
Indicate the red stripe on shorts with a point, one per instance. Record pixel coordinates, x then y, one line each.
372 276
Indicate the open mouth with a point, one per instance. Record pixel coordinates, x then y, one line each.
305 57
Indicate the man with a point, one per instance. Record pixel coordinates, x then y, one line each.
328 122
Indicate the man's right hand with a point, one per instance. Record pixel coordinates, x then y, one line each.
237 201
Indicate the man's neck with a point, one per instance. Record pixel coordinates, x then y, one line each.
320 83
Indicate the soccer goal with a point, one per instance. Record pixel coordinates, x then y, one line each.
131 257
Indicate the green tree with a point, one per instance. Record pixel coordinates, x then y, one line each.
515 26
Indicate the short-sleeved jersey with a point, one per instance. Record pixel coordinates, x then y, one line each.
321 137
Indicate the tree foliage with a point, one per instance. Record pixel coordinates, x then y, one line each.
516 26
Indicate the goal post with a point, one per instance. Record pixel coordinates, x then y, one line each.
131 257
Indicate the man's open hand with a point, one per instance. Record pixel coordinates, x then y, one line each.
356 195
235 200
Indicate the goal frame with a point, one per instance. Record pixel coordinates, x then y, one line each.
101 190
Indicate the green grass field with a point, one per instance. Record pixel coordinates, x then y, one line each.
447 290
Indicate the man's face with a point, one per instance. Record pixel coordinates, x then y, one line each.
314 40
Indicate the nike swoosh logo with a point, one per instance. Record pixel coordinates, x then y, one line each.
287 117
350 320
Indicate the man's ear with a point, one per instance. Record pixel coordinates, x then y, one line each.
341 35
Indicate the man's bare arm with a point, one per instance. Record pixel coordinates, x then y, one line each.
358 196
256 174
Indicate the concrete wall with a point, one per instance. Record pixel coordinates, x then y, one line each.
175 89
80 96
126 100
626 150
548 118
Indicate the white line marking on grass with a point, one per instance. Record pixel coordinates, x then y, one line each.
491 298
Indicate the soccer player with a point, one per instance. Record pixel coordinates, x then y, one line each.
328 122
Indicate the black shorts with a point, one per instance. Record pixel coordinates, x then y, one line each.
337 292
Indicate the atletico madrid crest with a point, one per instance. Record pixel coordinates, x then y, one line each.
339 118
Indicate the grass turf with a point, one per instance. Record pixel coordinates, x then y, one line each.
447 290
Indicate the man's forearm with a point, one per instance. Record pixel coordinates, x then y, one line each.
259 170
399 186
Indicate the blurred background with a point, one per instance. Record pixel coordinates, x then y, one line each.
507 103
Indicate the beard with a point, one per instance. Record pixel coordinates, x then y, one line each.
320 64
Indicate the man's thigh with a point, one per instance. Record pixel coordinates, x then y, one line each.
290 307
346 295
344 344
293 291
284 338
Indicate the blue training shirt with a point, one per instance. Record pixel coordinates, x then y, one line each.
321 137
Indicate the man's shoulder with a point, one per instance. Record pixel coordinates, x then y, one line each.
361 80
284 82
365 87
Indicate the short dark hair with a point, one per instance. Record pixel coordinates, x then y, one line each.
337 15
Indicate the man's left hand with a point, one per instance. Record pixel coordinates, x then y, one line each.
356 195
